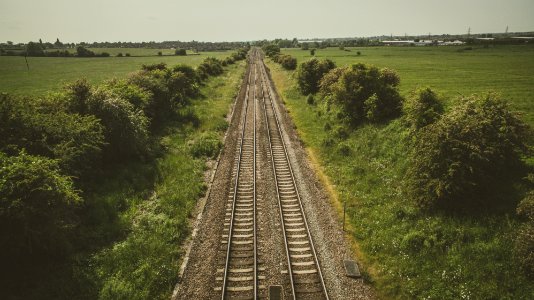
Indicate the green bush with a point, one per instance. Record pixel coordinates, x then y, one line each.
210 67
75 141
310 73
180 52
126 128
287 61
138 97
524 242
422 108
207 144
310 100
271 50
37 206
363 93
459 159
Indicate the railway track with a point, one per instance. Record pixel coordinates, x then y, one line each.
240 277
240 272
305 275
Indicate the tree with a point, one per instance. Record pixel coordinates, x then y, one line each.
305 46
460 160
422 108
34 49
58 44
310 73
37 206
364 93
83 52
312 52
271 50
180 52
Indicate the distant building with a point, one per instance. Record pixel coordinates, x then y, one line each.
421 43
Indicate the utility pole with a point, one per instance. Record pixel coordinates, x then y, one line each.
469 32
506 32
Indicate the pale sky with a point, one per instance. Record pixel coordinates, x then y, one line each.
243 20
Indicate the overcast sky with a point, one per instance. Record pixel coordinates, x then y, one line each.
241 20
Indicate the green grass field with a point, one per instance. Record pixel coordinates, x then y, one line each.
406 253
51 73
508 70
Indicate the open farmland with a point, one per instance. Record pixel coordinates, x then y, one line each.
51 73
407 252
451 71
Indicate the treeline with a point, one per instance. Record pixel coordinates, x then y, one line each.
192 45
459 158
54 148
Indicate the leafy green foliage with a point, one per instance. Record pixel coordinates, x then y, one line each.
364 93
180 52
126 128
37 206
271 50
524 243
458 159
210 67
287 61
422 108
207 144
75 141
310 73
34 49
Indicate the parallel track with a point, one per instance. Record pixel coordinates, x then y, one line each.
306 278
240 273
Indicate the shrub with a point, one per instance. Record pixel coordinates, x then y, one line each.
126 128
310 99
127 55
44 129
207 144
160 53
83 52
287 61
364 93
152 67
37 205
210 67
457 160
524 243
271 50
358 53
312 52
422 108
119 54
137 96
310 73
180 52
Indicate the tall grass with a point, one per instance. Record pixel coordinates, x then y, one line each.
406 253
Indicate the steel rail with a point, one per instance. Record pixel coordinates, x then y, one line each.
236 184
270 95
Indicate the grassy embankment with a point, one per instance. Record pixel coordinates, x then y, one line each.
51 73
139 212
407 253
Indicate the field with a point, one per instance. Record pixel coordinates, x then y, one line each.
451 71
51 73
406 253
